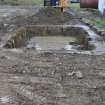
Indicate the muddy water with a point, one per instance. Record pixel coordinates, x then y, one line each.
61 42
50 42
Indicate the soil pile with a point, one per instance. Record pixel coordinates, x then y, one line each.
51 16
44 16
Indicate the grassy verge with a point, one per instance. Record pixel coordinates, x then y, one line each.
22 2
97 22
75 5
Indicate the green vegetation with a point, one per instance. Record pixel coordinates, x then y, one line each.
22 2
33 2
100 22
75 5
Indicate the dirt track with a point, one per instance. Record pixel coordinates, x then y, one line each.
29 77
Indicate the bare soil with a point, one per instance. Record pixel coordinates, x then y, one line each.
45 78
29 77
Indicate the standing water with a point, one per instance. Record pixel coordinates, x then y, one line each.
50 42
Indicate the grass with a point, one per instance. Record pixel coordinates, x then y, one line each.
75 5
23 2
96 22
35 2
100 22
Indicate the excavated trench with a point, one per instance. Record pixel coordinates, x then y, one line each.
50 38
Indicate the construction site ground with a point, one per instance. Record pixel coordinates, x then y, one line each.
29 77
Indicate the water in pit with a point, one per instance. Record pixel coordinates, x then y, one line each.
50 42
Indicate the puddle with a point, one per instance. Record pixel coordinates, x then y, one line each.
50 42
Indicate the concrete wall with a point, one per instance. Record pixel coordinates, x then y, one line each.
101 6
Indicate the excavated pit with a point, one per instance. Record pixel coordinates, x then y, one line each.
60 37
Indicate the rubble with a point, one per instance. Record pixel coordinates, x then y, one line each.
77 74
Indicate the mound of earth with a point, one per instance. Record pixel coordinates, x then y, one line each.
44 16
51 16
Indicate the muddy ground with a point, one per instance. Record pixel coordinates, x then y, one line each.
29 77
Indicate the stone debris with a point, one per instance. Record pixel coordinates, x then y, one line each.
77 74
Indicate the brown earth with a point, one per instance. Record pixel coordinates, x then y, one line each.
29 77
48 79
